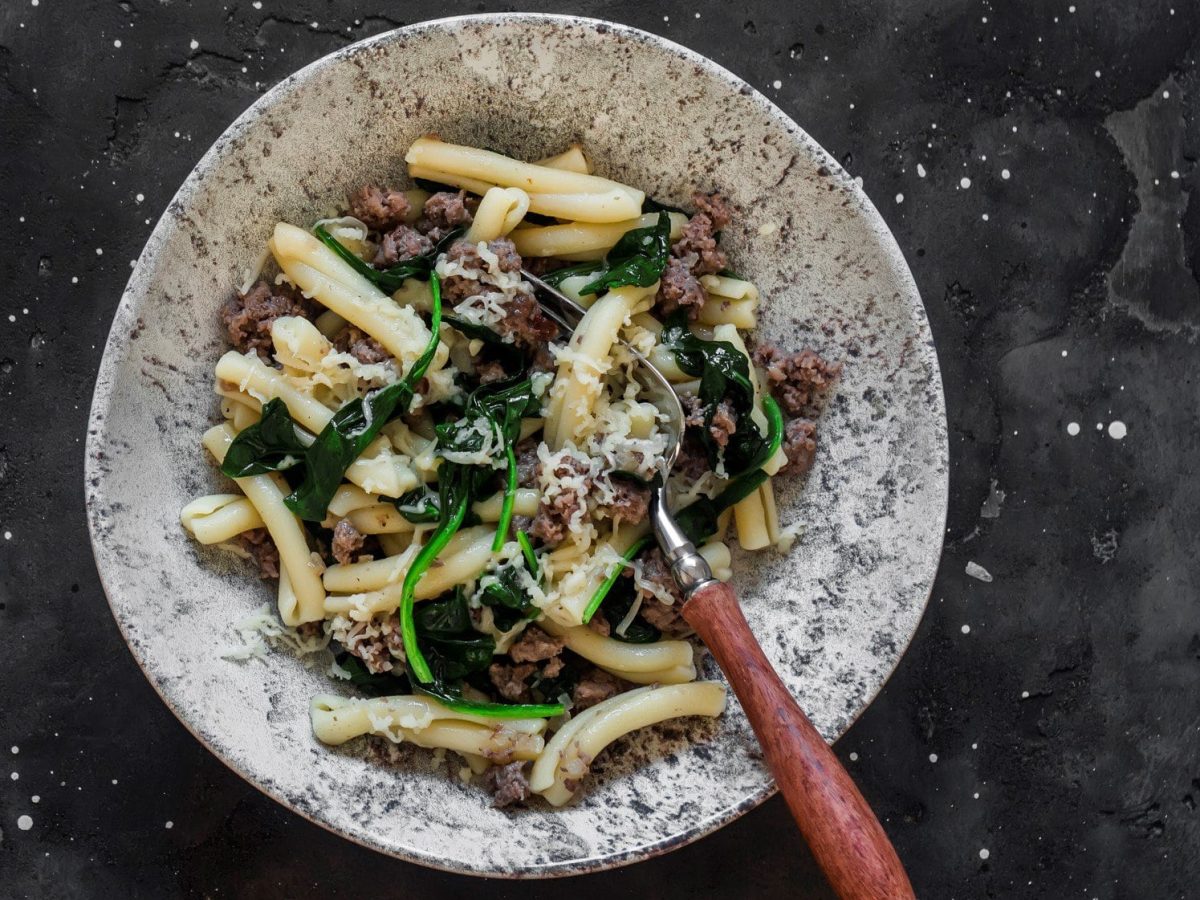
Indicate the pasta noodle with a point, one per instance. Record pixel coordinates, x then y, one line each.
567 756
306 601
500 210
573 238
454 492
219 517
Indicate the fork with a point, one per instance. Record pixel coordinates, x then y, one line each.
843 833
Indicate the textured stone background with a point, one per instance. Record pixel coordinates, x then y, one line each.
1035 160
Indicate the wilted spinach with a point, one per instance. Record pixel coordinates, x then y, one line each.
271 444
355 425
638 258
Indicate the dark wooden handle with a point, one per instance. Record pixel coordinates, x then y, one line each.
846 839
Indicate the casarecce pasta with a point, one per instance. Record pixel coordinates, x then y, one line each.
453 494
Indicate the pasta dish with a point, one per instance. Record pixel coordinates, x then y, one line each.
452 491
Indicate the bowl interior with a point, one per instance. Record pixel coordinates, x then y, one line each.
834 615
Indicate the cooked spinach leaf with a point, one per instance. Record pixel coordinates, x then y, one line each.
616 607
558 276
724 373
269 445
494 409
354 426
420 506
509 601
639 258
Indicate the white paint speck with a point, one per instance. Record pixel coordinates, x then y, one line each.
114 781
15 776
33 2
35 799
1099 426
257 4
195 44
1072 428
966 629
99 251
1024 695
16 749
853 756
25 822
74 279
169 824
117 43
1166 95
1064 353
1174 174
983 854
975 570
1005 174
777 84
984 217
1071 9
964 182
933 757
1117 430
920 171
8 537
899 198
976 795
1097 73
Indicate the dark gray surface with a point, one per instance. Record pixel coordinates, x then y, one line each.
1070 707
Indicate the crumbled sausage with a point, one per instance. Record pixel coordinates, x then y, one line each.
347 541
692 461
716 206
402 242
535 645
509 680
378 208
529 326
490 371
527 461
723 422
594 686
248 317
679 288
698 245
599 623
445 211
666 617
797 379
508 784
377 651
630 502
800 446
261 548
554 515
361 346
507 257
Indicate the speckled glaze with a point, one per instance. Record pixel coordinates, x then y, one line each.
834 615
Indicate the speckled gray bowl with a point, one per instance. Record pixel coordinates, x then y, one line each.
834 615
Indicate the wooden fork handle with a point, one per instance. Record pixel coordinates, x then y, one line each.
846 839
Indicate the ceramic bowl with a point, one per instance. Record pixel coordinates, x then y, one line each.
834 615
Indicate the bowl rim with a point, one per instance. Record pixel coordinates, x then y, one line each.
102 395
